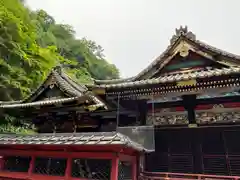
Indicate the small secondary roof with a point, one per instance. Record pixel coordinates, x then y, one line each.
75 139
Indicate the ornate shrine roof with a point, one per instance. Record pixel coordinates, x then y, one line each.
174 77
44 102
74 139
182 40
63 81
73 91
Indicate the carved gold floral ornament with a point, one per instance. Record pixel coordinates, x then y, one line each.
184 50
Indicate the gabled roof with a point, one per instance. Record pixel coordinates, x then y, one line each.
183 37
73 91
75 139
174 77
63 81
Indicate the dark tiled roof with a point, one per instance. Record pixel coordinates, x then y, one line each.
76 139
82 99
181 33
42 103
63 81
113 81
74 90
79 87
9 102
175 77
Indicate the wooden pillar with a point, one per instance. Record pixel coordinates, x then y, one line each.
189 103
31 166
51 119
74 121
114 171
1 162
196 150
134 168
68 168
191 116
142 110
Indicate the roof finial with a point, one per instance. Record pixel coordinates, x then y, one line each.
182 31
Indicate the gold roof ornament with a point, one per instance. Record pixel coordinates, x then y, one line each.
192 125
191 82
99 91
184 50
91 107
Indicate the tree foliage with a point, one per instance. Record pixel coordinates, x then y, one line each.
32 43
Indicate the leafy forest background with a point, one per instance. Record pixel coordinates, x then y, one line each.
31 44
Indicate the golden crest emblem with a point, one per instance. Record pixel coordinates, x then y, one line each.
184 50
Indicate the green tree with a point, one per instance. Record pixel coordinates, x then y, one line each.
32 43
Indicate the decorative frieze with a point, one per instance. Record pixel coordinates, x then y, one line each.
219 117
205 114
219 113
201 118
167 118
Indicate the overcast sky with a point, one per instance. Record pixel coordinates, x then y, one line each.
134 32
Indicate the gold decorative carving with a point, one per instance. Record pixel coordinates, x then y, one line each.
211 117
167 119
184 50
187 83
218 106
99 91
192 125
91 107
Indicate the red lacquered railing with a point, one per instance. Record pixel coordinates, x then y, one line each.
181 176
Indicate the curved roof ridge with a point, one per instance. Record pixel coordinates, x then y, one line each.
65 85
96 100
10 102
62 80
217 50
172 78
120 80
37 103
153 63
71 81
39 87
181 33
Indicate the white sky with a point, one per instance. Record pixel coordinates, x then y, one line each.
134 32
